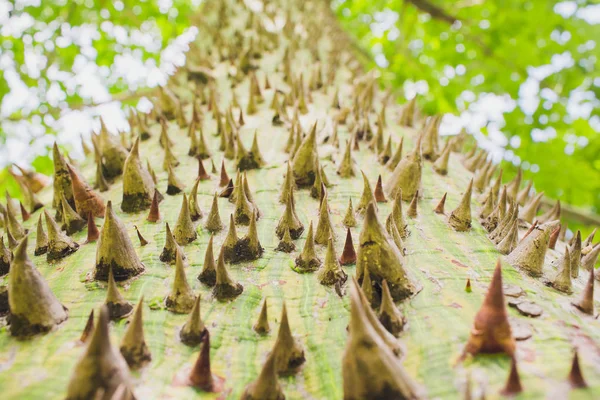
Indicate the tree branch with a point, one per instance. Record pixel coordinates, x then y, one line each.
440 14
433 10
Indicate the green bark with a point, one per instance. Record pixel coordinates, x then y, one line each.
438 258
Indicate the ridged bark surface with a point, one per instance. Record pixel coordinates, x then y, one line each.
438 258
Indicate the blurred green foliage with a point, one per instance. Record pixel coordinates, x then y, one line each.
61 35
54 34
540 53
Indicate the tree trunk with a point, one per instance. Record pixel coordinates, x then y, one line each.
235 45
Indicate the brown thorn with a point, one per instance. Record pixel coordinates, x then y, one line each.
224 177
554 238
143 241
379 195
201 375
439 209
93 233
575 377
88 329
412 208
513 384
348 256
491 332
202 174
24 213
586 301
154 214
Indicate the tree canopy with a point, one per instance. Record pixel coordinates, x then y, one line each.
62 62
522 76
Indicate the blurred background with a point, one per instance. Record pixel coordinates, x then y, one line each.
520 76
